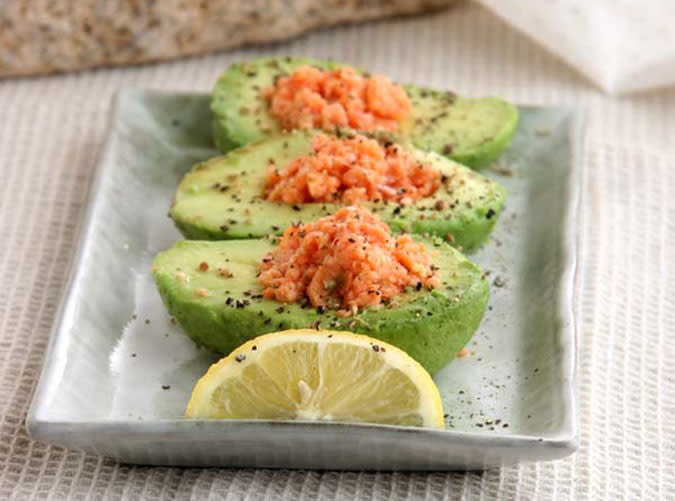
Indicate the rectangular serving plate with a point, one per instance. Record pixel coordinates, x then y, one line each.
118 373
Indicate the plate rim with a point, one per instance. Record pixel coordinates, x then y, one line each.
563 442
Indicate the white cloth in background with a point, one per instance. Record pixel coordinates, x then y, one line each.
621 45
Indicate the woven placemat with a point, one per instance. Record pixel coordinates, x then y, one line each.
51 132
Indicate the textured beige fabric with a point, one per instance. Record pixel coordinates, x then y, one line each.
50 134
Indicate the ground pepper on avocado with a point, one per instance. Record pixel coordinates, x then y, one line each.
351 170
314 98
349 260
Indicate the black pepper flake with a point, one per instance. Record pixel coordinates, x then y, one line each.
224 228
228 301
166 386
491 212
397 210
296 207
418 287
240 358
376 348
320 309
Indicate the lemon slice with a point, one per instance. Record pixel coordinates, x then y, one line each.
318 375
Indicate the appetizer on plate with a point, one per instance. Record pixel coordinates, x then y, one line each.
262 188
340 203
255 99
346 271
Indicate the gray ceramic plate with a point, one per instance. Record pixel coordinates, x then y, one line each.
118 374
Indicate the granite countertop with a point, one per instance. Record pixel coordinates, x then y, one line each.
38 37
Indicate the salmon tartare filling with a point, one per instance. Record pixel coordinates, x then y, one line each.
350 171
313 98
348 260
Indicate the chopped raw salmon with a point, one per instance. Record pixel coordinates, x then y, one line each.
350 171
348 260
314 98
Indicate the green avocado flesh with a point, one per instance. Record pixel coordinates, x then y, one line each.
471 131
222 198
431 326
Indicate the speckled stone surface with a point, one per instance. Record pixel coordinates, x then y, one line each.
47 36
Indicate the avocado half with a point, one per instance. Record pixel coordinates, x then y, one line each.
222 198
431 326
471 131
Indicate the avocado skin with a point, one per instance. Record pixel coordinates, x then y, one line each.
221 137
488 152
471 131
470 202
453 130
431 326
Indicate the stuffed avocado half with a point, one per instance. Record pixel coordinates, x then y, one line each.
471 131
211 288
224 197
